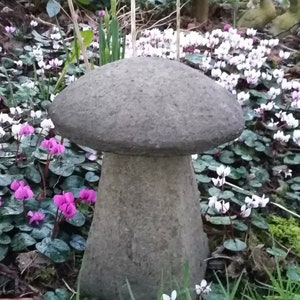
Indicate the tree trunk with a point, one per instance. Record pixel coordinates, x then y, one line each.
200 10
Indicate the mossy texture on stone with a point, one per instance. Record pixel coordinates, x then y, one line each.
285 22
285 231
257 18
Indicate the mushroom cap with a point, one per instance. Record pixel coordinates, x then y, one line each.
147 106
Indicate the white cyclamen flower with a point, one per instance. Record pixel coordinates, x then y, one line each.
33 23
15 110
221 206
279 136
212 201
223 171
296 137
245 211
47 124
218 181
242 97
194 156
256 201
273 93
5 118
172 297
15 129
203 289
284 54
2 132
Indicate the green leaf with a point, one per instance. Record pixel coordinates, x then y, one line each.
57 250
293 273
226 220
249 136
91 177
7 62
73 157
48 206
24 227
5 227
53 8
73 181
78 220
255 183
12 207
276 252
235 245
87 36
5 179
293 196
21 241
194 59
203 178
260 147
226 157
295 186
84 2
239 225
3 251
78 242
59 294
4 239
293 159
226 195
199 166
259 221
213 191
61 168
32 174
42 231
258 94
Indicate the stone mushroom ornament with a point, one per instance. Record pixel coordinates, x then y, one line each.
148 115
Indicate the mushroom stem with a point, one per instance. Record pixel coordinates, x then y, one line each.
146 227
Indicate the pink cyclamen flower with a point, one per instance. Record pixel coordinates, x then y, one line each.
16 184
227 27
88 196
101 13
53 146
35 217
23 192
26 129
1 201
66 204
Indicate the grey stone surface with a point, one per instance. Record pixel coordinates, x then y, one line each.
147 106
146 227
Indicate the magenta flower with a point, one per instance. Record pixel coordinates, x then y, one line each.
23 192
26 129
53 146
35 217
16 184
227 27
1 201
66 204
88 196
101 13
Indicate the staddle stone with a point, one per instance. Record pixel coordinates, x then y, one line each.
147 115
147 106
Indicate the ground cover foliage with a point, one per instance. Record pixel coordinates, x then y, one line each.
250 188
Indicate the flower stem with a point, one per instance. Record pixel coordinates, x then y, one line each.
55 227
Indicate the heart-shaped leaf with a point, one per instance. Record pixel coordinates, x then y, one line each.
57 250
21 241
235 245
